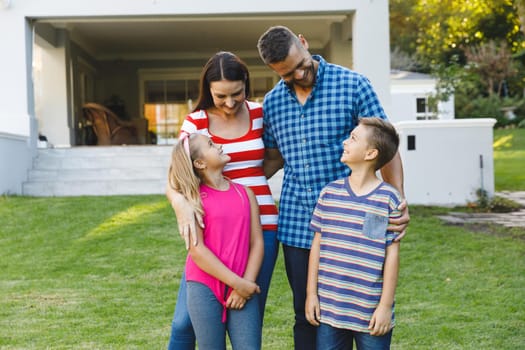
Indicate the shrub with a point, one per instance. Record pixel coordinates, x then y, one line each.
489 107
502 205
495 204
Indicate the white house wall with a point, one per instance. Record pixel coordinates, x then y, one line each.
405 93
403 107
15 158
445 168
446 109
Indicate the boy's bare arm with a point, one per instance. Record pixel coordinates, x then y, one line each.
312 310
380 323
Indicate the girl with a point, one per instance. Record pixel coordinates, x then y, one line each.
222 267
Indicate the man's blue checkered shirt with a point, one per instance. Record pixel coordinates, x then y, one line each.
310 138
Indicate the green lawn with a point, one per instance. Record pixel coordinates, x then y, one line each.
509 159
102 273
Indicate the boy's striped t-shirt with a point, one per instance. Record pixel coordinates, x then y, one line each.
354 238
247 155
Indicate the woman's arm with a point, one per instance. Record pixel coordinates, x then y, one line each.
380 323
186 216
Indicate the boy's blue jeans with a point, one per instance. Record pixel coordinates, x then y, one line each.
331 338
182 334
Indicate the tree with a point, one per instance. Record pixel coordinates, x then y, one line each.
403 28
493 62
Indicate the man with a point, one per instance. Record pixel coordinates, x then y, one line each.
307 116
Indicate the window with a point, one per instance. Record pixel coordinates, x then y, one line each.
421 103
424 111
168 96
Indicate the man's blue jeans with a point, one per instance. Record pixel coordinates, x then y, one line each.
243 326
182 334
331 338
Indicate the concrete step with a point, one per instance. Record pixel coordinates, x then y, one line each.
93 188
103 157
112 170
129 173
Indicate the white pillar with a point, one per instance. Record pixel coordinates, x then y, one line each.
371 46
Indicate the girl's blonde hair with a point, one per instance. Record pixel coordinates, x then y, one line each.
182 176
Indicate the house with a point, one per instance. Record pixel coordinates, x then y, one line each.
411 98
146 56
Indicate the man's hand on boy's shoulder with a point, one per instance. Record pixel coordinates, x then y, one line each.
400 224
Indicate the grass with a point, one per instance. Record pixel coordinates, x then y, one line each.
102 273
509 159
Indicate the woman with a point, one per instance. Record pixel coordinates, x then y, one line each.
225 115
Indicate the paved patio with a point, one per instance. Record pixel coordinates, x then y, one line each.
513 219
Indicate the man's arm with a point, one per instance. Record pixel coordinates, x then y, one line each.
392 172
273 161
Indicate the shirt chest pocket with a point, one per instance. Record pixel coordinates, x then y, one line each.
374 226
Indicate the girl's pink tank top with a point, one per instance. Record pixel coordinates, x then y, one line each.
226 234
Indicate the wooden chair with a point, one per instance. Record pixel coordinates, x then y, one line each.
111 130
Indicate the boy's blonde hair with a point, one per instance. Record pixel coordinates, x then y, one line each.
182 176
382 136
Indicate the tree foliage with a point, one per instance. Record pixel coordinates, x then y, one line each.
437 30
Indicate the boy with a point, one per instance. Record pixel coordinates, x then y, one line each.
354 261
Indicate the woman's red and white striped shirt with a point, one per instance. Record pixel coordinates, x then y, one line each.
247 154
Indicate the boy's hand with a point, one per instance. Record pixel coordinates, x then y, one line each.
312 310
400 224
380 324
235 301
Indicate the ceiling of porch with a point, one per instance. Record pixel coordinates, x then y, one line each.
187 37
